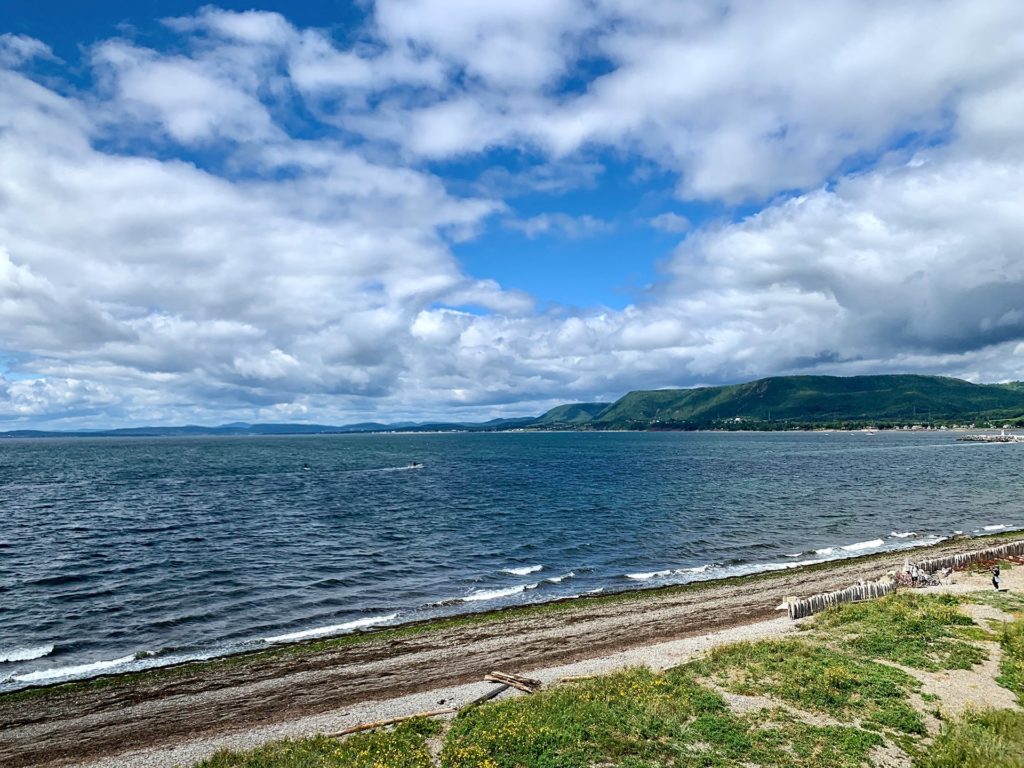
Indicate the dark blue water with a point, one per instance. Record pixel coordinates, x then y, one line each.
186 548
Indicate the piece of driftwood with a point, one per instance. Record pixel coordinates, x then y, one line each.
527 684
393 721
510 684
488 696
576 678
500 688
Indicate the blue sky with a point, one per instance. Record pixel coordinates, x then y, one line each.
412 209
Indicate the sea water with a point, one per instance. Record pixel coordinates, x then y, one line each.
122 554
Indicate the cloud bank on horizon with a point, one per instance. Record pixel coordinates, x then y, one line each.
238 217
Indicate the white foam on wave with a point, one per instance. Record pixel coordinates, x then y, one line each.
560 579
855 547
648 575
494 594
25 654
671 572
77 670
334 629
526 570
860 545
902 534
999 527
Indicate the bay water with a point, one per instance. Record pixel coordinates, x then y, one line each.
122 554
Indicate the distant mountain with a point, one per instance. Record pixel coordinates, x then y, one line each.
779 402
573 414
817 400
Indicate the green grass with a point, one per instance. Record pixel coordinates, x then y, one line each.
816 679
639 718
403 747
921 631
988 739
1007 602
1011 666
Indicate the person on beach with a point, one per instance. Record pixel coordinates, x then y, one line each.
995 576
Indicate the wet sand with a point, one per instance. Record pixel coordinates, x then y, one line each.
212 705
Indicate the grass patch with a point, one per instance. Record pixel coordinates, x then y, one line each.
1011 666
987 739
921 631
629 714
638 719
818 680
403 747
1007 602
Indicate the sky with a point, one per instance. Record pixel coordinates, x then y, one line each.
400 210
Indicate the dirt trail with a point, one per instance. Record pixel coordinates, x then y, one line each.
69 726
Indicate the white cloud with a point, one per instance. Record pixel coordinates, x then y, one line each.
314 277
18 49
561 224
191 101
670 222
735 102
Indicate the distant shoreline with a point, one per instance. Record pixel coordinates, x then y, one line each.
142 435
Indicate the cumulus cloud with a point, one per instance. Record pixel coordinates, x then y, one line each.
174 248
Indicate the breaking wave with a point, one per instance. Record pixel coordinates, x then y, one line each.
526 570
495 594
78 670
334 629
25 654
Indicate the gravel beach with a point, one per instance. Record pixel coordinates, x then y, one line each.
169 720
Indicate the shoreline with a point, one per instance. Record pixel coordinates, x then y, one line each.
634 583
82 722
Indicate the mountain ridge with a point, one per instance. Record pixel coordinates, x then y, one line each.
775 402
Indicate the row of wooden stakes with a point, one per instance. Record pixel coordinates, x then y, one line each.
799 609
961 561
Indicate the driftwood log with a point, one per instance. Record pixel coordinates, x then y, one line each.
501 688
488 696
525 684
393 721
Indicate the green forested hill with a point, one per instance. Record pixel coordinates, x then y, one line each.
571 414
817 400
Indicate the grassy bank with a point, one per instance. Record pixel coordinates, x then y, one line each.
847 691
170 674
